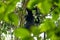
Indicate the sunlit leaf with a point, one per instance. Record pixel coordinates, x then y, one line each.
44 7
2 7
11 6
13 18
47 25
21 32
55 14
35 30
32 3
5 18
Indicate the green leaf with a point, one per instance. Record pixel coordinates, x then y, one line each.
45 6
54 34
28 38
32 3
1 16
35 30
55 14
5 18
21 32
7 1
11 5
47 25
53 37
2 10
59 5
2 7
50 33
7 7
13 18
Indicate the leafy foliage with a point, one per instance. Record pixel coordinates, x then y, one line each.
43 8
21 32
13 18
47 25
55 14
35 30
51 26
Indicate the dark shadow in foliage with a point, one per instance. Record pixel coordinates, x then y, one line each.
38 16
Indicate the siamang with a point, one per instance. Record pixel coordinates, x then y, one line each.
30 18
